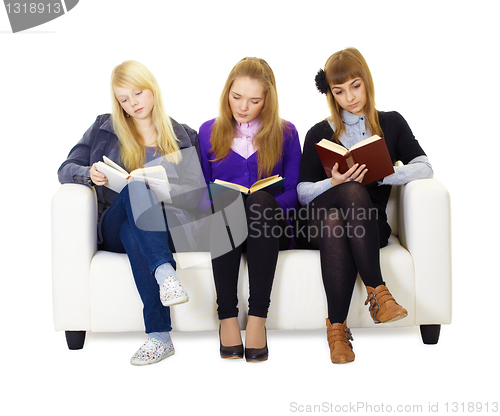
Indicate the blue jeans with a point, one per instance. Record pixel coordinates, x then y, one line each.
146 250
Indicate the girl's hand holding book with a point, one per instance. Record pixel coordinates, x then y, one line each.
355 173
97 177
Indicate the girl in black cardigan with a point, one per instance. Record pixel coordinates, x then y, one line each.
347 221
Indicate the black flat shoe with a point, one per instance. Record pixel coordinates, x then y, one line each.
257 354
235 351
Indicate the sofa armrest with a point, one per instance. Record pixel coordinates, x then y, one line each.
425 231
74 243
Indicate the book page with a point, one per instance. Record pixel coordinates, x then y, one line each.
114 165
153 172
365 142
232 185
159 187
116 179
262 183
334 147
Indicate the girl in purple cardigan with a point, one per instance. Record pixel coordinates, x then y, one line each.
248 142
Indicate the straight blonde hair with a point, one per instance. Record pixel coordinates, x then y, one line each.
269 137
341 67
134 75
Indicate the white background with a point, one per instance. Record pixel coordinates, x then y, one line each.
436 62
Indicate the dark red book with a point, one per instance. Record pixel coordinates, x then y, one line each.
371 152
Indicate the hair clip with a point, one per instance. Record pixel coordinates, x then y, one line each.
321 83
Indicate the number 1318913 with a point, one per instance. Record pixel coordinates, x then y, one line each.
472 407
34 8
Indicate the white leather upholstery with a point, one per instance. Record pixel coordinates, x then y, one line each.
95 291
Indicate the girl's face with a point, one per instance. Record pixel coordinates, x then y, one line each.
136 103
246 99
351 96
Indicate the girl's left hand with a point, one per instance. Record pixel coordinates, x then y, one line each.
355 173
358 174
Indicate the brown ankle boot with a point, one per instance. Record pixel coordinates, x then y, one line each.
383 307
339 340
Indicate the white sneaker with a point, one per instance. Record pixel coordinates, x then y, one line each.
152 351
172 293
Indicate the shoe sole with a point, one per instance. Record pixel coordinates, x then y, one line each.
257 361
177 301
142 363
396 318
231 357
343 361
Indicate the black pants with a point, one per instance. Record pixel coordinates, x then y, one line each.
343 225
268 233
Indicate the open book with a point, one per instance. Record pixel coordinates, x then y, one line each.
372 152
154 176
271 183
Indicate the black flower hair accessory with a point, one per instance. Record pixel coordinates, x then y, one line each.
321 83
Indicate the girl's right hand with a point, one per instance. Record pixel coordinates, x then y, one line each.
355 173
97 177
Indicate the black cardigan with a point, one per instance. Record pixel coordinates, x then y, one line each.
400 141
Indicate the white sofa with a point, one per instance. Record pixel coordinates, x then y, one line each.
95 291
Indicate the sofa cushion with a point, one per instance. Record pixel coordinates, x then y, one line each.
297 301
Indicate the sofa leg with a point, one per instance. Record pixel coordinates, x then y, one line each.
430 333
75 339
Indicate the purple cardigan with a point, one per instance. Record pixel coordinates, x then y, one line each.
235 168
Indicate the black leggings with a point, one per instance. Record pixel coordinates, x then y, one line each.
268 233
343 224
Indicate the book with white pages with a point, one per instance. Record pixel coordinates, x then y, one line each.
118 178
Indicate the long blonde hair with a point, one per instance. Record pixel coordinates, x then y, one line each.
134 75
269 138
341 67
